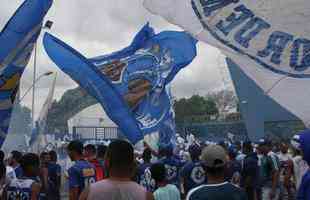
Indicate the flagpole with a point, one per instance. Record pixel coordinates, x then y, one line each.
33 83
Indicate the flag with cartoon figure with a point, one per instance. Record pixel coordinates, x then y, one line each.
131 84
268 40
17 41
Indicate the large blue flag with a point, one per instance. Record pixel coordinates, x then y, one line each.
130 84
17 41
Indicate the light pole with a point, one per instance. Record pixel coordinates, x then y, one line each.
33 83
48 25
33 92
28 90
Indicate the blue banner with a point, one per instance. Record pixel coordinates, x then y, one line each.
130 84
17 41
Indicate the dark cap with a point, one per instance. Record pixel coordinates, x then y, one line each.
263 142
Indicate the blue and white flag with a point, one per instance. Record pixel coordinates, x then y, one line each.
269 40
17 41
130 84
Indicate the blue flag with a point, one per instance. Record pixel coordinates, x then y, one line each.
17 41
167 131
130 84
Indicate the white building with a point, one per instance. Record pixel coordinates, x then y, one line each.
93 116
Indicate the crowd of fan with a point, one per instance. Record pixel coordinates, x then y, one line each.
235 171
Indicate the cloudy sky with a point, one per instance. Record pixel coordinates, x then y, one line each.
97 27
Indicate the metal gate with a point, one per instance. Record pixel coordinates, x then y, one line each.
95 133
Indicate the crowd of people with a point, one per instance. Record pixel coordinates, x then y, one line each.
191 171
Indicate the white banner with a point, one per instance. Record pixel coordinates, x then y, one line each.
42 140
269 40
48 102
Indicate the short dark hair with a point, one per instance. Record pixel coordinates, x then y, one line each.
29 159
158 172
16 155
120 155
76 146
2 155
215 171
101 150
147 154
53 155
247 146
43 154
91 148
166 150
194 151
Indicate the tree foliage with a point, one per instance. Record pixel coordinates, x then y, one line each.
226 101
72 102
195 109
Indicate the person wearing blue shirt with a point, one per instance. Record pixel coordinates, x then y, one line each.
54 177
302 141
18 171
172 165
144 176
214 159
82 173
250 171
233 170
193 173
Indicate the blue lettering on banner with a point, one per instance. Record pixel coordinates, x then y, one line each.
242 26
276 45
298 45
234 20
244 38
210 6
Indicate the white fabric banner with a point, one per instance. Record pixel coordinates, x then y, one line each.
48 102
42 139
269 40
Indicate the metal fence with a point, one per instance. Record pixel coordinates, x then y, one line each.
95 133
218 130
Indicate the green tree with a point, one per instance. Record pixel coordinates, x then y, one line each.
72 102
195 109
